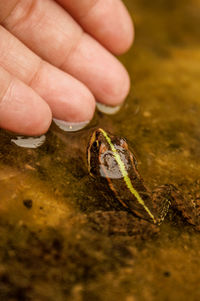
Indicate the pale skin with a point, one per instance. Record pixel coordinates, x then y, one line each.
57 58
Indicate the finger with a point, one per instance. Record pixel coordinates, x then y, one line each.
107 21
21 109
97 68
68 99
46 28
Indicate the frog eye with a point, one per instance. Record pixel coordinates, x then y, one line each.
95 145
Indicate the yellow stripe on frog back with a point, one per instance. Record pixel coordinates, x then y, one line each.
125 175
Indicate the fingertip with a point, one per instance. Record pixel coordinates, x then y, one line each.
23 111
87 104
116 86
69 99
111 24
79 106
123 87
123 28
100 71
40 120
125 40
120 32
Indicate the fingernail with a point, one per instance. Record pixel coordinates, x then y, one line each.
70 126
29 142
108 109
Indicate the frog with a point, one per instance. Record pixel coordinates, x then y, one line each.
114 165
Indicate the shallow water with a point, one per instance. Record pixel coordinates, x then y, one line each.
49 249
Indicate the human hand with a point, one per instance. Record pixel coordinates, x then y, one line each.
52 65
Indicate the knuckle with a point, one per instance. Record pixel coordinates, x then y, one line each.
88 7
36 76
21 13
6 92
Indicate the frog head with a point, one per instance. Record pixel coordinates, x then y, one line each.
108 156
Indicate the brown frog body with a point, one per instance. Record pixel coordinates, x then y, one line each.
112 164
121 223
